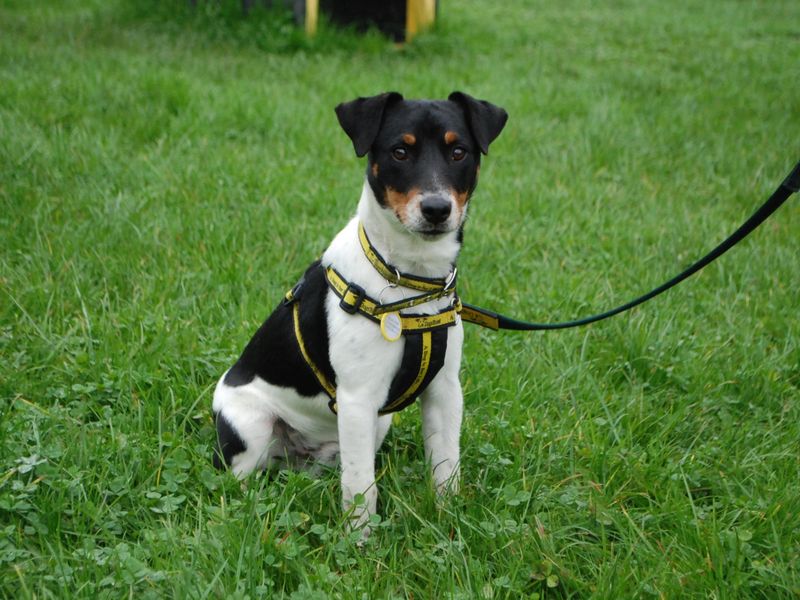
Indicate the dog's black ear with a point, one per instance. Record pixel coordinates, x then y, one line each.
361 119
486 120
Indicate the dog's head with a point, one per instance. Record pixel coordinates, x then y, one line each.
424 155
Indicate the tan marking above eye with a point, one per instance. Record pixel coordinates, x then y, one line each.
375 170
409 139
450 137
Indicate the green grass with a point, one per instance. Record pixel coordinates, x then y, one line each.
166 175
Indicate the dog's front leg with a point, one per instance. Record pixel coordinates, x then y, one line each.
442 406
357 423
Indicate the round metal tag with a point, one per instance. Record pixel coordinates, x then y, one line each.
391 326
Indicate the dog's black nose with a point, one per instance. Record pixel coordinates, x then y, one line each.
435 209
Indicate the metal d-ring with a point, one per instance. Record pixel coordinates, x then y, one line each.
396 284
450 279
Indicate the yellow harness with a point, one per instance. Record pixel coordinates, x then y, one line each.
425 335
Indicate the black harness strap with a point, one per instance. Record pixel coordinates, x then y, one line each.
423 357
493 320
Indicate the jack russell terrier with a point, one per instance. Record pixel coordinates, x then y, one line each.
374 324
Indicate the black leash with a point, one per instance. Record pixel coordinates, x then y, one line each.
487 318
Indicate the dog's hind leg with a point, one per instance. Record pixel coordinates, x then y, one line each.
244 430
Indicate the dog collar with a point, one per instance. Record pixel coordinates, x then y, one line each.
396 277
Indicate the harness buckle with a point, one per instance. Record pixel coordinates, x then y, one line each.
359 292
293 293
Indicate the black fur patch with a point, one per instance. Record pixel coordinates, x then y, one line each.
273 353
485 119
429 163
237 376
361 119
411 143
229 442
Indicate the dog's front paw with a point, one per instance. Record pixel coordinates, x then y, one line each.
359 518
446 478
358 511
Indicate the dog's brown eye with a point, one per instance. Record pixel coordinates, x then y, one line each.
400 153
459 153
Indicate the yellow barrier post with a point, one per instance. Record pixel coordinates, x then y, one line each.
312 16
420 14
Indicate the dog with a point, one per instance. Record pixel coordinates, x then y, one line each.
374 323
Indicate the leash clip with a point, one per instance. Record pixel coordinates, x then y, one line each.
359 292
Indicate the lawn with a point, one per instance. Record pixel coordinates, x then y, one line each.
165 176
